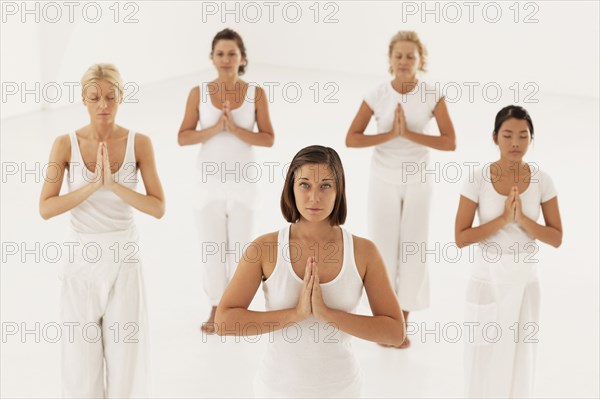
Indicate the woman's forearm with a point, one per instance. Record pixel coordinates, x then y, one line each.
189 137
359 140
60 204
148 204
261 139
546 234
242 322
380 329
476 234
442 143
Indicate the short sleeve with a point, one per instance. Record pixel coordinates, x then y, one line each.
433 94
471 186
371 98
548 191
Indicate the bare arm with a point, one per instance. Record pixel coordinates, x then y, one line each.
465 234
53 204
265 136
356 136
446 141
153 202
233 316
188 134
551 233
387 325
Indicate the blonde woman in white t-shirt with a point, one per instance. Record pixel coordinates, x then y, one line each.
399 193
503 294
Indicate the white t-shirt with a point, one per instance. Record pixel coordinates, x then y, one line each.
512 238
399 160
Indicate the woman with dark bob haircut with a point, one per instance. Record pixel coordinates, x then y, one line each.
313 272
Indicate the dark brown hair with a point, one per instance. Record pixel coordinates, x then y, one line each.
230 34
315 154
508 112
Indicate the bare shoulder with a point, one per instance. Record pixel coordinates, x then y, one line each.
61 149
63 142
268 251
195 92
142 140
267 240
143 147
364 252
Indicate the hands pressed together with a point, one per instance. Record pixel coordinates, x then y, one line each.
512 206
399 128
311 297
226 120
102 173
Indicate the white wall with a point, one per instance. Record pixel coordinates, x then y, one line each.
559 53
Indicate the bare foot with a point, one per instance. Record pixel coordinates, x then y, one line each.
208 327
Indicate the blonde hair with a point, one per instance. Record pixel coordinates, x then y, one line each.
98 72
409 36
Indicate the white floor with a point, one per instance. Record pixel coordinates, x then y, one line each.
185 365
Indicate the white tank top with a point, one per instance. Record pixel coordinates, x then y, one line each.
103 211
225 157
310 359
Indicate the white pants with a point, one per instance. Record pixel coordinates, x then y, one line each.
262 390
398 219
104 318
502 296
224 222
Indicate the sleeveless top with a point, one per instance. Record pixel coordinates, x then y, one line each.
310 358
103 211
224 157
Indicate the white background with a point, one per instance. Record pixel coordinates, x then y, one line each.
165 53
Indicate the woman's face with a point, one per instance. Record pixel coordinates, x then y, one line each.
226 57
513 139
404 59
315 191
101 99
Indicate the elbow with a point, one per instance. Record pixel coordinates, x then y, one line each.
460 243
558 241
219 322
160 211
451 145
180 139
44 213
349 141
399 335
271 141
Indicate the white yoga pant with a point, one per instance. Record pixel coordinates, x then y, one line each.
398 219
502 296
224 226
104 318
261 390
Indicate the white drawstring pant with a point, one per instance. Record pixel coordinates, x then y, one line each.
104 318
502 297
398 220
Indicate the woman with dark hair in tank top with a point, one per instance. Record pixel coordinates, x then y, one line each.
221 115
312 272
102 295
